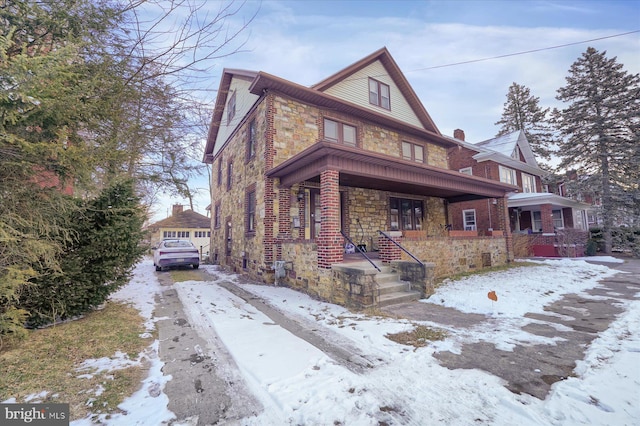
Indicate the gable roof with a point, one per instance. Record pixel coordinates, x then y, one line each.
396 75
499 149
187 219
262 82
507 143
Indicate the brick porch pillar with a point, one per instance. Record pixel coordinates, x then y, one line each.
505 224
330 248
388 250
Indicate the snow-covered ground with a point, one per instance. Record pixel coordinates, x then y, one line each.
298 384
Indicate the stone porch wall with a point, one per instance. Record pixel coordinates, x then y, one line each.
454 255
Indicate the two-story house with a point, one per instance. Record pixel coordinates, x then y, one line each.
532 210
301 175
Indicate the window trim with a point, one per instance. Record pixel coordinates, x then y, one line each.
251 139
400 224
532 181
217 222
512 175
251 208
229 175
340 130
465 223
413 146
378 94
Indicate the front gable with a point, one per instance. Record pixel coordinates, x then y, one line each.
352 85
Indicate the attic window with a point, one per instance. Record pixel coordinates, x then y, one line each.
231 108
516 153
379 94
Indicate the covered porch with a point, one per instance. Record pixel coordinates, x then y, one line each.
331 195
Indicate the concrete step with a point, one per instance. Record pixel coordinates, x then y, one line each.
386 277
394 286
398 297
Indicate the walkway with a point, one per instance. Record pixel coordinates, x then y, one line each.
533 369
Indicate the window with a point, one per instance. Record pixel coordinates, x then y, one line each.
251 211
220 172
229 175
216 216
202 234
537 221
251 140
379 94
466 171
558 221
507 175
339 132
469 219
406 214
183 234
516 153
231 108
413 152
528 183
169 234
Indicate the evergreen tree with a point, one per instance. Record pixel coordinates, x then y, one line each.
523 112
600 134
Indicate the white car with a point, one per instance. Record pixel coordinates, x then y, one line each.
171 253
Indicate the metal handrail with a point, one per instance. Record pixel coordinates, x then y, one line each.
360 250
401 248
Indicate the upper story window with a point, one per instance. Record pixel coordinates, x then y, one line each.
229 175
220 172
413 152
528 183
251 140
379 94
466 171
507 175
339 132
231 108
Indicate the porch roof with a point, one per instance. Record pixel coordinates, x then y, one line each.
366 169
535 199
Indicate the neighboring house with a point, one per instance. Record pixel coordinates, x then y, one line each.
299 172
509 159
184 225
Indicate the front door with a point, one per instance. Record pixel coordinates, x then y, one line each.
315 212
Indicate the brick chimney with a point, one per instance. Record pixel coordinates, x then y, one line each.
459 134
177 208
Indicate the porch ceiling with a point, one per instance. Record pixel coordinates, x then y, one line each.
364 169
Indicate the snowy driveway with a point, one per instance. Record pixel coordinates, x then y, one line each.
266 372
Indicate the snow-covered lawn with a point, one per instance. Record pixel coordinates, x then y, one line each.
298 384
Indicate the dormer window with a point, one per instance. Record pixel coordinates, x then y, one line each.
231 108
379 94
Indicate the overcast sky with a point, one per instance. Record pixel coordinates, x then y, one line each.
306 41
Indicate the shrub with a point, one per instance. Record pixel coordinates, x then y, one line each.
96 263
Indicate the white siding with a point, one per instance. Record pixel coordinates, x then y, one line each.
355 89
244 102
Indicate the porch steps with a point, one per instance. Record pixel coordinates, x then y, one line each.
391 290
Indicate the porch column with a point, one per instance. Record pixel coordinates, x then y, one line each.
505 224
330 248
546 215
